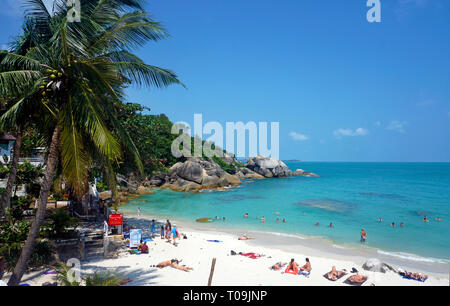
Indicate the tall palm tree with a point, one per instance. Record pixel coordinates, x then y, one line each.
78 71
20 46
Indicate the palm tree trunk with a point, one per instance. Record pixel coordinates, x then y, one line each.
6 197
27 250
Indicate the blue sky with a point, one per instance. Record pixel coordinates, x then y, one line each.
343 89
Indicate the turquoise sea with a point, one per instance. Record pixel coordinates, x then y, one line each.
350 195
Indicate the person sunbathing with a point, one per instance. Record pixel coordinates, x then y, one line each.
306 269
334 274
356 278
416 276
167 263
182 268
244 237
278 266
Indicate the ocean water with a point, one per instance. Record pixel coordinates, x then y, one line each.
350 195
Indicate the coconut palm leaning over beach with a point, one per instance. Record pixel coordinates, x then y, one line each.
77 72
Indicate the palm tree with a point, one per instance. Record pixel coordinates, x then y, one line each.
78 71
20 46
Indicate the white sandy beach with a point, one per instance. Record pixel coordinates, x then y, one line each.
237 270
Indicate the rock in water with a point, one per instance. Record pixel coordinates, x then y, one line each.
268 167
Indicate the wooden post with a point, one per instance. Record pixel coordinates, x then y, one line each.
213 264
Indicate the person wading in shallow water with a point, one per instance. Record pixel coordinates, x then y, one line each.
363 235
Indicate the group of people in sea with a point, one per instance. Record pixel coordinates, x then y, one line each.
263 219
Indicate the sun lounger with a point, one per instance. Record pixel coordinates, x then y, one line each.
348 282
337 278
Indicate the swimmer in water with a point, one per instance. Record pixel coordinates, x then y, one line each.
317 224
425 219
263 219
284 220
246 215
402 224
392 224
331 224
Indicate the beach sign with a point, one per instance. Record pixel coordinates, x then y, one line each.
135 237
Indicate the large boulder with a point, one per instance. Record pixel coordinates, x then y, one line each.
375 265
268 167
196 174
191 171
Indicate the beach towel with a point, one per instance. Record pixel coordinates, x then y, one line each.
147 239
348 282
337 278
253 255
305 273
216 241
291 271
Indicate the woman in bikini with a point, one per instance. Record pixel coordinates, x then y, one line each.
334 274
278 266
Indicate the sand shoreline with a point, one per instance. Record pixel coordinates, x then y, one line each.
321 246
197 252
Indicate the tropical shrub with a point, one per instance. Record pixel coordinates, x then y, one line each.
12 237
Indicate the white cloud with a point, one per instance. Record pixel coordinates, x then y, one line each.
349 132
398 126
298 137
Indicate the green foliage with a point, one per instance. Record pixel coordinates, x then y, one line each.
104 279
152 136
4 172
62 275
97 279
19 205
12 237
225 166
60 221
28 174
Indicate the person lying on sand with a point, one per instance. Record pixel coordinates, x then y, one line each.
334 274
278 266
356 278
174 263
243 237
416 276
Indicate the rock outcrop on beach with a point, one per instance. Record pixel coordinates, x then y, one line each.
195 174
375 265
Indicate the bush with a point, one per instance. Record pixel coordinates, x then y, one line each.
12 237
60 221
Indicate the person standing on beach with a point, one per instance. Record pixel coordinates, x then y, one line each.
153 227
363 235
162 231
